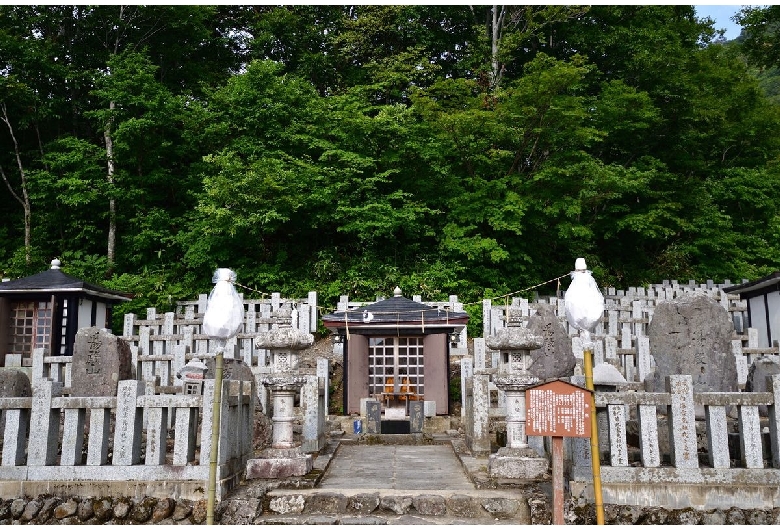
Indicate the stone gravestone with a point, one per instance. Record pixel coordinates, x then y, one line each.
756 379
232 369
555 358
416 417
691 335
14 383
100 361
373 417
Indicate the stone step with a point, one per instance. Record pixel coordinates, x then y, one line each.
395 507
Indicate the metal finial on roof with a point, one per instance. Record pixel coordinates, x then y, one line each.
55 263
397 291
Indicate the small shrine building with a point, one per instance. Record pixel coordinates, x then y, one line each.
396 348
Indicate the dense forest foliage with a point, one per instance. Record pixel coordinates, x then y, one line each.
469 150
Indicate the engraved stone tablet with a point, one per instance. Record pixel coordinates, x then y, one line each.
100 361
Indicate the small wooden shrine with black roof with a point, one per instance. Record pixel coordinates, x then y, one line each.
396 350
46 310
763 304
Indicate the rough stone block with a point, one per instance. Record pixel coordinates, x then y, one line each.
430 505
507 465
364 503
691 335
278 467
14 383
287 504
100 361
326 503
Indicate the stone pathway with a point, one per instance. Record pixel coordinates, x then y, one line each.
398 467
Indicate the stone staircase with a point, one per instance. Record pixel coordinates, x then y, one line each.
441 499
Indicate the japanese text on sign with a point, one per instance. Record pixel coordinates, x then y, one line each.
558 409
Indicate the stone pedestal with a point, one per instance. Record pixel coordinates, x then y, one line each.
279 463
284 458
517 460
523 464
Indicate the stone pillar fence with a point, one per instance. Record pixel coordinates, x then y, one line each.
133 444
656 452
621 337
153 434
161 344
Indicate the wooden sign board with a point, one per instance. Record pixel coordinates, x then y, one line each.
558 408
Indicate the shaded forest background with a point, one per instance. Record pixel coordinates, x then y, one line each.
475 151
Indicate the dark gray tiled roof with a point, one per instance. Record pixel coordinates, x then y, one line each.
766 283
56 281
397 309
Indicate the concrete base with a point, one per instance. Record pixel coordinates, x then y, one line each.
279 463
517 463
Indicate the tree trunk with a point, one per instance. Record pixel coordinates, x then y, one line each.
111 251
24 200
496 71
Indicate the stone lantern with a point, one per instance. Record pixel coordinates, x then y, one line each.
517 459
284 457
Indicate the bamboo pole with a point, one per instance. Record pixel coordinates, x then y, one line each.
216 410
594 435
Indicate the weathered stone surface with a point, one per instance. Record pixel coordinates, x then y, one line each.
199 511
410 520
287 504
364 503
554 358
30 511
326 503
284 338
66 509
513 338
240 511
691 335
142 511
100 361
122 508
102 509
396 504
523 465
606 375
717 517
373 417
232 369
362 520
17 507
182 511
501 507
163 509
85 510
319 519
47 511
271 466
430 505
14 383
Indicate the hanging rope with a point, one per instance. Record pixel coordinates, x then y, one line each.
505 297
325 310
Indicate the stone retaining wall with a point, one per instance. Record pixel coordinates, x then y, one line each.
50 510
636 515
47 509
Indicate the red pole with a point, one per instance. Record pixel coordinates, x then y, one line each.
557 476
